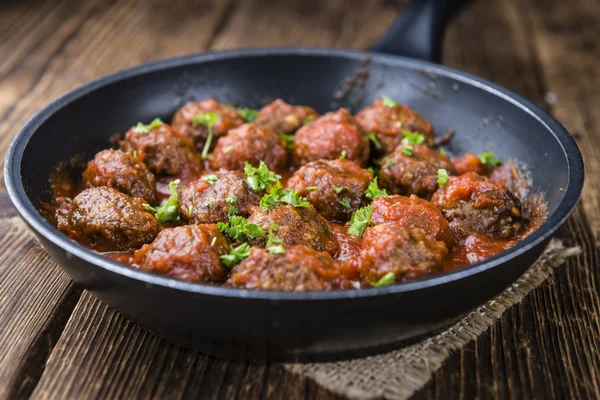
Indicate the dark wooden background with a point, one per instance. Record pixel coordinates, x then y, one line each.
56 341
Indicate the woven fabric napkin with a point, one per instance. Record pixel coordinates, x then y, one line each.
399 373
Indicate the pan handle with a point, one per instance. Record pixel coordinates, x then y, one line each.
419 30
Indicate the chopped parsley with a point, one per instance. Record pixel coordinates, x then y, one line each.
292 198
373 192
385 280
406 150
443 152
236 255
442 177
277 195
337 189
388 101
288 139
167 211
212 179
260 178
209 204
228 149
412 138
489 159
207 119
68 199
361 218
373 139
343 154
190 210
249 114
239 228
231 199
345 202
142 128
399 125
311 188
213 241
308 120
389 163
274 245
135 154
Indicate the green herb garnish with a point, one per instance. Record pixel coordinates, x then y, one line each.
167 211
231 199
277 195
208 119
337 189
373 139
213 241
249 114
345 202
141 128
389 102
443 152
406 150
288 139
373 191
260 178
385 280
343 154
239 228
228 149
361 218
412 138
236 255
292 198
489 159
212 179
442 177
389 163
274 245
308 120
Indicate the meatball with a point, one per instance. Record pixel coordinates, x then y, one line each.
183 121
210 198
413 212
121 171
408 253
474 203
163 151
413 170
469 163
250 143
283 117
388 123
334 187
295 226
107 220
190 252
332 136
299 269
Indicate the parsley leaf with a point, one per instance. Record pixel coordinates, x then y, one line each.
288 139
249 114
208 119
278 195
343 154
239 228
389 163
308 120
388 101
292 198
236 255
337 189
442 177
141 128
385 280
274 245
228 149
372 138
311 188
212 179
167 211
260 178
489 159
345 202
373 191
407 150
361 218
443 152
412 138
231 199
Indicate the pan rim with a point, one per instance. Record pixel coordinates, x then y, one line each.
38 223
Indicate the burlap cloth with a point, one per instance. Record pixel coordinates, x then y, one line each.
399 373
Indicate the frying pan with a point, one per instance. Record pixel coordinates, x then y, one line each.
264 325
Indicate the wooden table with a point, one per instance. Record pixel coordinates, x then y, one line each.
56 341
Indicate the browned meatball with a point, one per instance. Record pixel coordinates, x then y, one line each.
332 136
299 269
121 171
334 187
190 252
283 117
252 144
413 171
163 151
107 220
295 226
388 123
408 253
474 203
183 121
210 198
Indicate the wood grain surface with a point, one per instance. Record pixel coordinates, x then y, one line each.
59 342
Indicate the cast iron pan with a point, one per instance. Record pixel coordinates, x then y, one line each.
299 326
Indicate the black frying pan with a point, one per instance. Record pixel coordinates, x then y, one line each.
274 325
